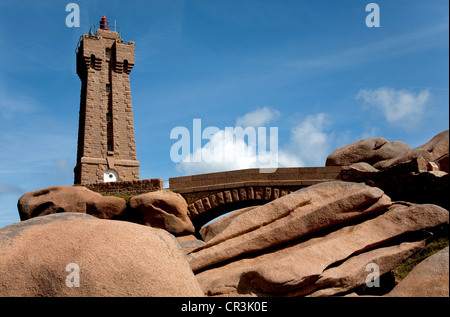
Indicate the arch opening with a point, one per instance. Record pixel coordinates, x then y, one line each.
218 212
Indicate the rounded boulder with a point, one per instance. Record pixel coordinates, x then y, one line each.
57 199
370 150
164 209
73 254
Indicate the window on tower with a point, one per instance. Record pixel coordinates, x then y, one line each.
107 55
92 60
110 145
108 88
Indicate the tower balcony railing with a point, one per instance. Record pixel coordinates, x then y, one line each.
93 33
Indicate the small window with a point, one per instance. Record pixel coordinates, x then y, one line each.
110 146
92 60
107 53
125 66
108 117
108 88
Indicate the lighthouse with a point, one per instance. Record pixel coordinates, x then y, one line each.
106 142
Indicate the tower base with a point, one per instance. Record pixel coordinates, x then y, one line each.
99 170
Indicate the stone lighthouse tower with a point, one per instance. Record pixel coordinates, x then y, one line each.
106 143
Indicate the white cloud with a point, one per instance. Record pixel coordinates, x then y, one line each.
224 152
258 118
396 105
310 141
309 145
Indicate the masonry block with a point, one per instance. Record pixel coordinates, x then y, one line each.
242 194
220 198
250 193
192 211
267 193
235 194
213 201
206 203
276 193
199 206
227 196
259 193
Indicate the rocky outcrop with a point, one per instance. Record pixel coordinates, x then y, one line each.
419 175
164 209
354 271
383 155
316 241
431 151
281 274
57 199
73 254
288 218
160 209
443 163
216 227
369 151
430 278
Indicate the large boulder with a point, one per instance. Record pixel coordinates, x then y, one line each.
354 271
290 217
164 209
281 274
333 260
431 151
370 150
443 163
73 254
213 229
430 278
57 199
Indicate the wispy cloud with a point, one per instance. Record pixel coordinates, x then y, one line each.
388 47
258 118
398 106
310 141
63 167
10 189
12 104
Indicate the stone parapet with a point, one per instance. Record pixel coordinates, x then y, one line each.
127 188
292 176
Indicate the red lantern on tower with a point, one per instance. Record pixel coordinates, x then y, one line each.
104 24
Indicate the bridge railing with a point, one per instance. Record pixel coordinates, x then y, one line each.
292 176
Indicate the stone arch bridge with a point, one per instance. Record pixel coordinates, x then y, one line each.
211 195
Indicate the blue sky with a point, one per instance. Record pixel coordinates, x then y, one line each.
313 69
